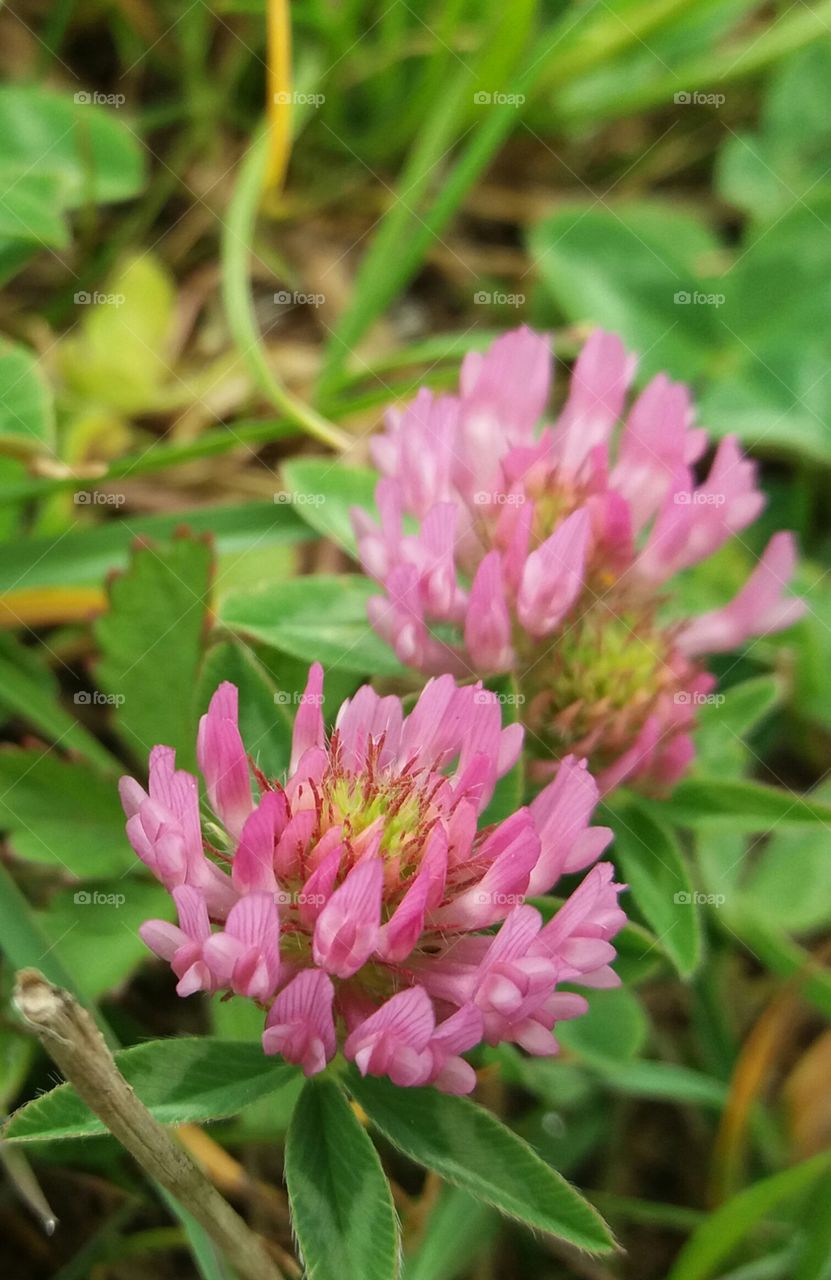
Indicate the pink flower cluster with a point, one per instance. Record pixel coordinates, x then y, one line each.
502 548
357 902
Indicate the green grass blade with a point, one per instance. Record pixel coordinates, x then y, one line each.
237 238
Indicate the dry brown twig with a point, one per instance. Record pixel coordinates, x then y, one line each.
71 1038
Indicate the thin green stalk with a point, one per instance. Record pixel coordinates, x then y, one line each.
653 1212
580 47
431 351
434 352
431 80
194 31
154 457
161 457
715 69
404 237
423 206
237 238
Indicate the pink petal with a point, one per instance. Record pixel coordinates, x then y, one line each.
461 830
197 977
482 730
178 793
292 845
760 608
300 1026
578 936
253 866
163 938
514 849
536 1039
402 931
517 931
223 761
456 1077
561 812
193 912
393 1040
436 560
221 953
599 382
653 447
488 621
507 387
308 723
433 731
379 548
131 794
694 522
516 545
418 450
310 769
144 846
254 921
404 613
476 782
367 717
408 1015
553 575
461 1031
318 888
347 928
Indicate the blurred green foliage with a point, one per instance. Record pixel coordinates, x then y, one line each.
681 151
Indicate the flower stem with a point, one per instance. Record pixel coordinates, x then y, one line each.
71 1038
237 237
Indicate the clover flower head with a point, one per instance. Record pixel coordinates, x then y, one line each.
501 547
361 902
